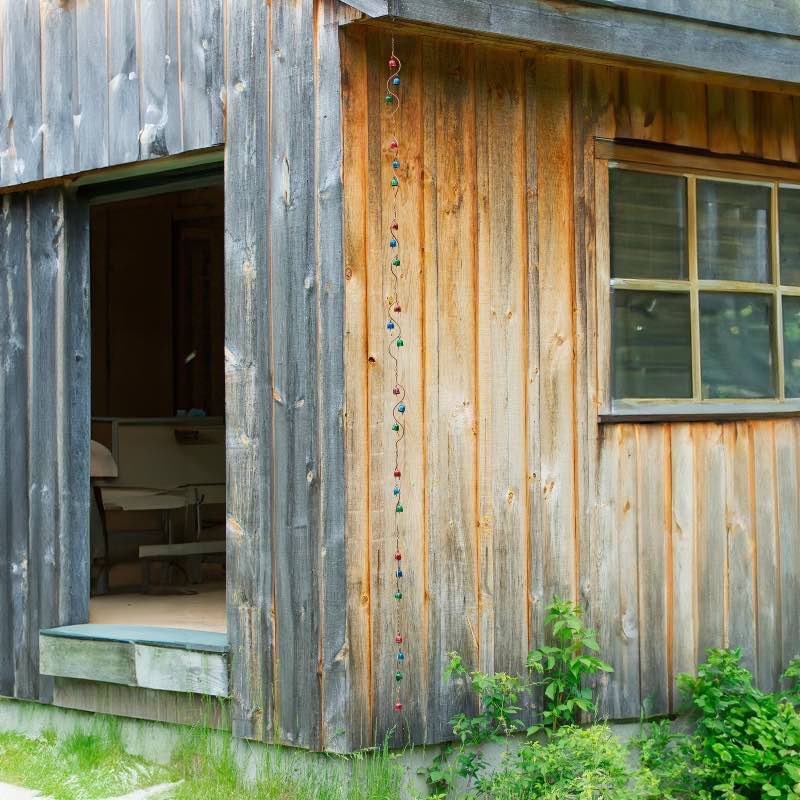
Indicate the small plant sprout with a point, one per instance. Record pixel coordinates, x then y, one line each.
564 666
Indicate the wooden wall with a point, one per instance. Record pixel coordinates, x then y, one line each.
95 83
674 537
44 436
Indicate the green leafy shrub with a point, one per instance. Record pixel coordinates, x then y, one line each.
565 665
746 742
561 669
581 763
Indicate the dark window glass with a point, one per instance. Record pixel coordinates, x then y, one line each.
648 225
789 232
733 242
736 345
652 344
791 346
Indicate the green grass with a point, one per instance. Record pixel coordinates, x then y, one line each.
83 766
92 765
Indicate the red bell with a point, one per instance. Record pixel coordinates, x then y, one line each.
393 144
397 308
392 63
397 473
395 226
398 706
398 555
398 639
396 390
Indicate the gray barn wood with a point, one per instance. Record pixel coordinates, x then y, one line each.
674 534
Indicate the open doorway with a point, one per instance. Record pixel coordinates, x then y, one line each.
158 403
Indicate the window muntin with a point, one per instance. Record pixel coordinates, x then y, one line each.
713 312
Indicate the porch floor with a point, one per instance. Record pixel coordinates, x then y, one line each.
203 611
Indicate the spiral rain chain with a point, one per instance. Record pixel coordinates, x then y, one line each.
396 341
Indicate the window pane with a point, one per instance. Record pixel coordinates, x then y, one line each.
652 344
791 345
648 225
789 231
736 345
733 231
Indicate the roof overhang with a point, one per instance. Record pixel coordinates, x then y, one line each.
654 32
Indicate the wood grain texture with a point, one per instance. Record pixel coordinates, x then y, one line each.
59 68
92 58
93 84
355 109
22 93
775 16
132 701
45 444
201 72
161 133
124 112
617 32
248 369
670 533
294 327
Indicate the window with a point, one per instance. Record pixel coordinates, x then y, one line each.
704 278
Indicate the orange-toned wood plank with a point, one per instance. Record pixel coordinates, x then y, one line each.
451 392
683 543
654 512
501 344
741 542
768 627
685 112
355 111
732 124
556 327
411 614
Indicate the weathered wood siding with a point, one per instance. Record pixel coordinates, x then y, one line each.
44 436
97 83
284 373
675 537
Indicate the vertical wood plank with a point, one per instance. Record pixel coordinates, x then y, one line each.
22 159
614 572
75 415
160 112
653 501
556 332
123 83
501 363
685 112
684 552
93 86
17 461
330 386
741 544
202 74
535 555
356 175
412 373
45 446
293 325
768 627
732 123
248 370
593 96
711 555
778 134
59 95
788 474
450 400
640 105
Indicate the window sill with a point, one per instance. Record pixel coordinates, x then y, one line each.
660 411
